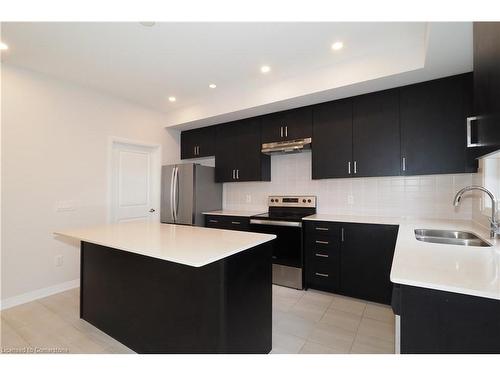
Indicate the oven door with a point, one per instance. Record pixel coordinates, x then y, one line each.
287 247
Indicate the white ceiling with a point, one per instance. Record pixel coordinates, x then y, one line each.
146 65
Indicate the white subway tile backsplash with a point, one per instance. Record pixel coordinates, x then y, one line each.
414 196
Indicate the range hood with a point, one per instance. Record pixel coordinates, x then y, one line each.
297 145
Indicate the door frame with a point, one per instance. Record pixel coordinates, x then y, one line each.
155 171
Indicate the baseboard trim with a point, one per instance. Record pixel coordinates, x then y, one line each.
37 294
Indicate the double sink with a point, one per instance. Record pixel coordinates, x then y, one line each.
450 237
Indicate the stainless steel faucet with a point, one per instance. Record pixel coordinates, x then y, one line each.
494 225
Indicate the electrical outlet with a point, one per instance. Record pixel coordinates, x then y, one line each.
58 260
63 206
248 198
350 199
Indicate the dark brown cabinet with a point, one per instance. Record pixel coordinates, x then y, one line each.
350 258
237 153
197 143
227 222
484 125
287 125
332 140
375 135
433 120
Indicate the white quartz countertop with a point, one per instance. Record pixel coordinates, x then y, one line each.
188 245
232 213
468 270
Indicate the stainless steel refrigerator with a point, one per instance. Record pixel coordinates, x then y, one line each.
187 190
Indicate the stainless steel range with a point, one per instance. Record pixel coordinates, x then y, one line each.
284 219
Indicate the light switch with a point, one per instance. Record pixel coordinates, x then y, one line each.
62 206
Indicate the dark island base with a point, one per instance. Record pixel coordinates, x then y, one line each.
155 306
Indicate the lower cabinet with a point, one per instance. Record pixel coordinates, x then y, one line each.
227 222
350 259
439 322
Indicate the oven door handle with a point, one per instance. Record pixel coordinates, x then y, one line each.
297 224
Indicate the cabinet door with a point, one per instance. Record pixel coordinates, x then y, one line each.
433 119
366 259
486 130
197 143
225 151
332 140
250 163
376 142
287 125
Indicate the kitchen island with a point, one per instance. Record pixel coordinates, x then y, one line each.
162 288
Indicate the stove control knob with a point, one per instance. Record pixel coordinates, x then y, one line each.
308 201
272 200
277 200
303 201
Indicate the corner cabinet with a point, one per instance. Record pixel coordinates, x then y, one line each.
287 125
433 126
198 143
238 156
484 125
350 258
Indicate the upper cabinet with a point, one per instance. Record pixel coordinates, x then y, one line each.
484 125
433 125
375 134
287 125
237 154
198 143
332 140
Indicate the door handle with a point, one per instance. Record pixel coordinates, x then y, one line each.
172 178
321 274
404 164
237 174
348 167
470 142
321 255
213 221
322 228
342 235
355 167
281 131
235 222
322 242
198 150
286 131
152 210
234 173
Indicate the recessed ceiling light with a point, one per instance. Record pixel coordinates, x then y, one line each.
212 85
172 99
265 69
3 46
147 24
337 46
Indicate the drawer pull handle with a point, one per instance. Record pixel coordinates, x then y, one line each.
323 242
321 255
235 222
213 221
322 228
321 274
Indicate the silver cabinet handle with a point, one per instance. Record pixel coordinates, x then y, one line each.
322 228
198 150
349 167
281 131
470 143
235 222
404 164
286 131
322 242
355 167
321 255
321 274
234 174
237 174
213 221
342 235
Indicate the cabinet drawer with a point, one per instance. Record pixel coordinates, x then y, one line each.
322 275
322 229
227 222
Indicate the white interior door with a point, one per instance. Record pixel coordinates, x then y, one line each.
135 183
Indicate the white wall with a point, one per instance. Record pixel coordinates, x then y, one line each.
480 213
417 196
55 148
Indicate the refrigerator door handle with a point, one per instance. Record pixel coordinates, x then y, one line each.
176 202
172 193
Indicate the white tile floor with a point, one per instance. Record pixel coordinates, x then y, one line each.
303 322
